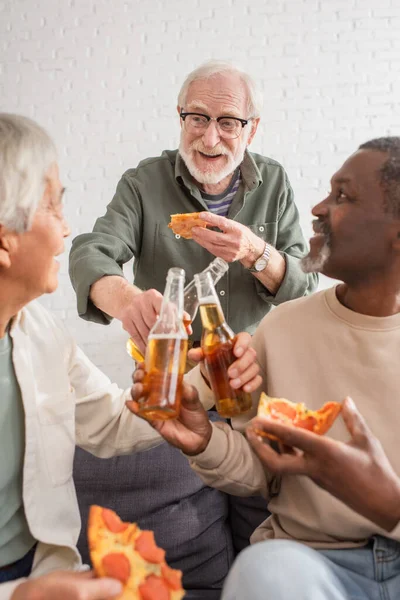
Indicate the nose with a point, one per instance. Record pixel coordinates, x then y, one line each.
66 228
321 209
211 136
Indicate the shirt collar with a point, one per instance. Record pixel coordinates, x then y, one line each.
250 173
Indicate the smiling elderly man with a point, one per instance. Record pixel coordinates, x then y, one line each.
316 545
52 396
247 196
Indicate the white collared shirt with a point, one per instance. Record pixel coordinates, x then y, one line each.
67 401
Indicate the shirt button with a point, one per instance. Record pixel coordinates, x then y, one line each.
261 228
222 293
177 236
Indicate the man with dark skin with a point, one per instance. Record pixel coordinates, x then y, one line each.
334 532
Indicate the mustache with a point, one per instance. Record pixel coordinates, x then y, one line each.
218 149
321 227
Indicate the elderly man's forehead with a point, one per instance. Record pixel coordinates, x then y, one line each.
361 167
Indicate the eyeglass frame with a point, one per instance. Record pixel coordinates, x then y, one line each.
243 122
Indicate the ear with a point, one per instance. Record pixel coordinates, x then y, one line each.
254 125
8 245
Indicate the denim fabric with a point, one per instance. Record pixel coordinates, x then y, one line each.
286 570
21 568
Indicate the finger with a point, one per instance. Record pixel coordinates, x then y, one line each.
137 391
190 397
224 224
196 355
133 406
208 236
246 380
100 589
139 374
354 421
291 436
276 463
242 341
247 358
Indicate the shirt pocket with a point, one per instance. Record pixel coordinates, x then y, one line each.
57 426
266 231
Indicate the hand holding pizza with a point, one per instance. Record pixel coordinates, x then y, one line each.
233 242
357 472
67 585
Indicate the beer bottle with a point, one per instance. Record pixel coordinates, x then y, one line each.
217 268
166 354
217 344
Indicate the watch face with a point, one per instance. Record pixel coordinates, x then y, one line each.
261 264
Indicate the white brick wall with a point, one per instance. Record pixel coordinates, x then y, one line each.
103 78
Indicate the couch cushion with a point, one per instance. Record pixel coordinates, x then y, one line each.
160 491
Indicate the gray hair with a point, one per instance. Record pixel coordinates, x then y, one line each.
211 68
26 154
390 170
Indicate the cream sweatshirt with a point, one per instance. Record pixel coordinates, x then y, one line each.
313 350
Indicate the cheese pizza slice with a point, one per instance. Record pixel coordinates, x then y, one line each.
183 223
125 552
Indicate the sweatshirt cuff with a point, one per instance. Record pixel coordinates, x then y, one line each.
216 449
195 378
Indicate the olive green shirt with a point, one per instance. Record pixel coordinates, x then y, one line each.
136 224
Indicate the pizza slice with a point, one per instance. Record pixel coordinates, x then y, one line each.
125 552
183 223
298 415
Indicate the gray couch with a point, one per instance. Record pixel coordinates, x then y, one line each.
200 528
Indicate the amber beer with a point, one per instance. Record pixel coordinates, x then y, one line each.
165 366
217 345
217 268
166 354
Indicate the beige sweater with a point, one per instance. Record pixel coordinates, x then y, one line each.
314 350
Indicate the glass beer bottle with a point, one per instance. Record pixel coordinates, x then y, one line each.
217 268
166 354
217 344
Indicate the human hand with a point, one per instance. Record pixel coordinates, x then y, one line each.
139 313
357 472
191 431
243 372
67 585
234 242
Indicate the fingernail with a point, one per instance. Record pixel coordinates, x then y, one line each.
233 373
114 588
239 351
235 383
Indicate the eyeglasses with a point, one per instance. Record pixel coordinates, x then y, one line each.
229 128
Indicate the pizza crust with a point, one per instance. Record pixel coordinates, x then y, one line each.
183 223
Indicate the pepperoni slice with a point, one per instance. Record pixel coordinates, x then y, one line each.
116 565
113 522
173 577
154 588
148 549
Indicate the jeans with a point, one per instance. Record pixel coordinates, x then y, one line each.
286 570
21 568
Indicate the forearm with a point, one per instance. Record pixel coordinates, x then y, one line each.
229 464
112 294
272 276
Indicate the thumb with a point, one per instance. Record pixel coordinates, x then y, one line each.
354 421
190 398
102 589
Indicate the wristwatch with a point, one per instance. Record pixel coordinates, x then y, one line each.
261 262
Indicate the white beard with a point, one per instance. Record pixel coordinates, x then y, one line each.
211 177
316 264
